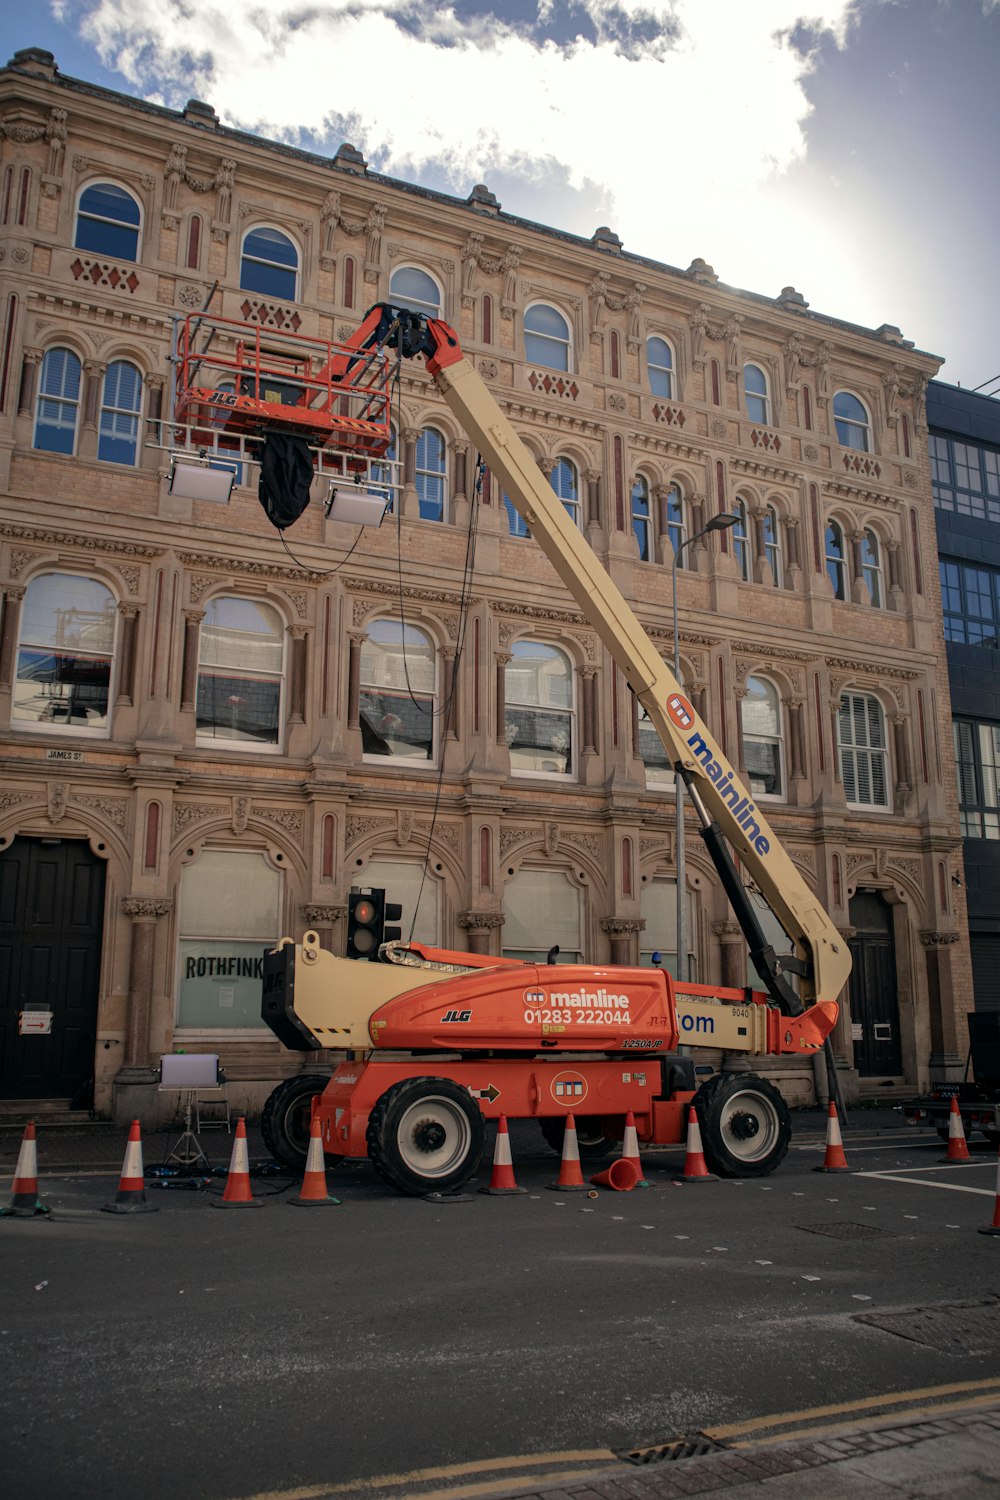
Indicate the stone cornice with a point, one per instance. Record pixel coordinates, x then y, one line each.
46 537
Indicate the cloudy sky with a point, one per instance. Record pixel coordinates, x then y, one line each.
848 148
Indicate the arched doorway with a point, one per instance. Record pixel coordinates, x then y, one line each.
51 917
874 998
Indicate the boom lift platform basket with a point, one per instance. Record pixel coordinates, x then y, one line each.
242 380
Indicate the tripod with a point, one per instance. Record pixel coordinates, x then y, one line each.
187 1152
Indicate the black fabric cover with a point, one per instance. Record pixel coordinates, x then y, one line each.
286 472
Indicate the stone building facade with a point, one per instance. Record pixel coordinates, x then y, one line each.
212 732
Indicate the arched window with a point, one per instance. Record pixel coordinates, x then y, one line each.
538 714
240 672
108 220
118 435
397 702
58 402
660 367
871 568
676 525
851 421
741 540
642 524
430 475
65 654
836 567
760 714
755 394
269 264
658 909
864 757
772 543
542 910
546 337
230 905
567 487
413 288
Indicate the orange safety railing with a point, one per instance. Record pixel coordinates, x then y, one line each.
239 378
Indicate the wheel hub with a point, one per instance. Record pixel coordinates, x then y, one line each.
429 1136
744 1126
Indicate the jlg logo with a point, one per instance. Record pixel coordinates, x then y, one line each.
680 711
457 1015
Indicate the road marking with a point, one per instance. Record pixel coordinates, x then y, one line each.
864 1424
947 1187
845 1408
455 1471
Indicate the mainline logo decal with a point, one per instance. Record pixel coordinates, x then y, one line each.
739 803
679 711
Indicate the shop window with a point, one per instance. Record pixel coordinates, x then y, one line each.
763 746
542 909
58 409
398 692
269 264
538 717
755 394
65 655
240 673
108 220
410 287
118 436
230 910
546 337
660 368
864 756
850 418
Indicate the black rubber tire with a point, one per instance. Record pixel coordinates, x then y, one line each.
943 1133
594 1144
426 1135
745 1125
284 1120
990 1135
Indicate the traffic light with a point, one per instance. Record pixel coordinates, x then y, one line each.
367 914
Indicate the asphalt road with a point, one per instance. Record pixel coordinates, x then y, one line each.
305 1352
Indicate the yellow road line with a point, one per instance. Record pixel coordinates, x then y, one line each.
865 1424
417 1476
844 1408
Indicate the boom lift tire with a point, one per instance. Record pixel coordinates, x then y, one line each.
745 1124
594 1142
284 1120
425 1135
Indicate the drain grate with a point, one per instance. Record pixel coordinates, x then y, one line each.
673 1452
847 1231
951 1327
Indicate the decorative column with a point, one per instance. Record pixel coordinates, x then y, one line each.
859 589
12 596
835 733
502 659
189 667
126 676
93 374
901 748
892 552
459 453
741 760
356 639
144 912
622 935
477 925
796 739
323 919
732 949
297 684
761 566
587 703
409 500
593 479
154 384
450 680
947 1051
31 359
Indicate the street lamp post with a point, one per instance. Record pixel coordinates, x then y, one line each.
718 523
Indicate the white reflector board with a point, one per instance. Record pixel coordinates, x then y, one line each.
189 1070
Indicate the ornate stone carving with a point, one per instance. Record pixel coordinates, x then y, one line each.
322 916
288 818
358 828
938 939
115 809
480 921
187 813
511 837
57 794
139 907
622 926
241 812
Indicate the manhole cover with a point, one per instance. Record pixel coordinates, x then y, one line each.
846 1231
687 1447
951 1327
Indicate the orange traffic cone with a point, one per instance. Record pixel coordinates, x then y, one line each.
834 1160
570 1174
695 1166
958 1149
24 1200
131 1195
630 1150
994 1228
237 1193
622 1175
314 1190
502 1180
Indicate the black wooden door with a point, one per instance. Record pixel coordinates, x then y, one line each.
51 915
874 1001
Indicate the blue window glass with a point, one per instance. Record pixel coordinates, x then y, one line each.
58 402
675 518
851 422
413 288
564 482
518 525
118 437
430 475
836 564
107 222
741 540
641 524
546 337
269 264
755 394
660 366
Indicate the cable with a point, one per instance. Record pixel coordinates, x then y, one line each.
329 572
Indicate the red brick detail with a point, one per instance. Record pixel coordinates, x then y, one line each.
767 440
856 463
102 274
270 315
670 416
554 385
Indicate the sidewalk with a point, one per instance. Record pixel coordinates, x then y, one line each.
955 1456
100 1147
